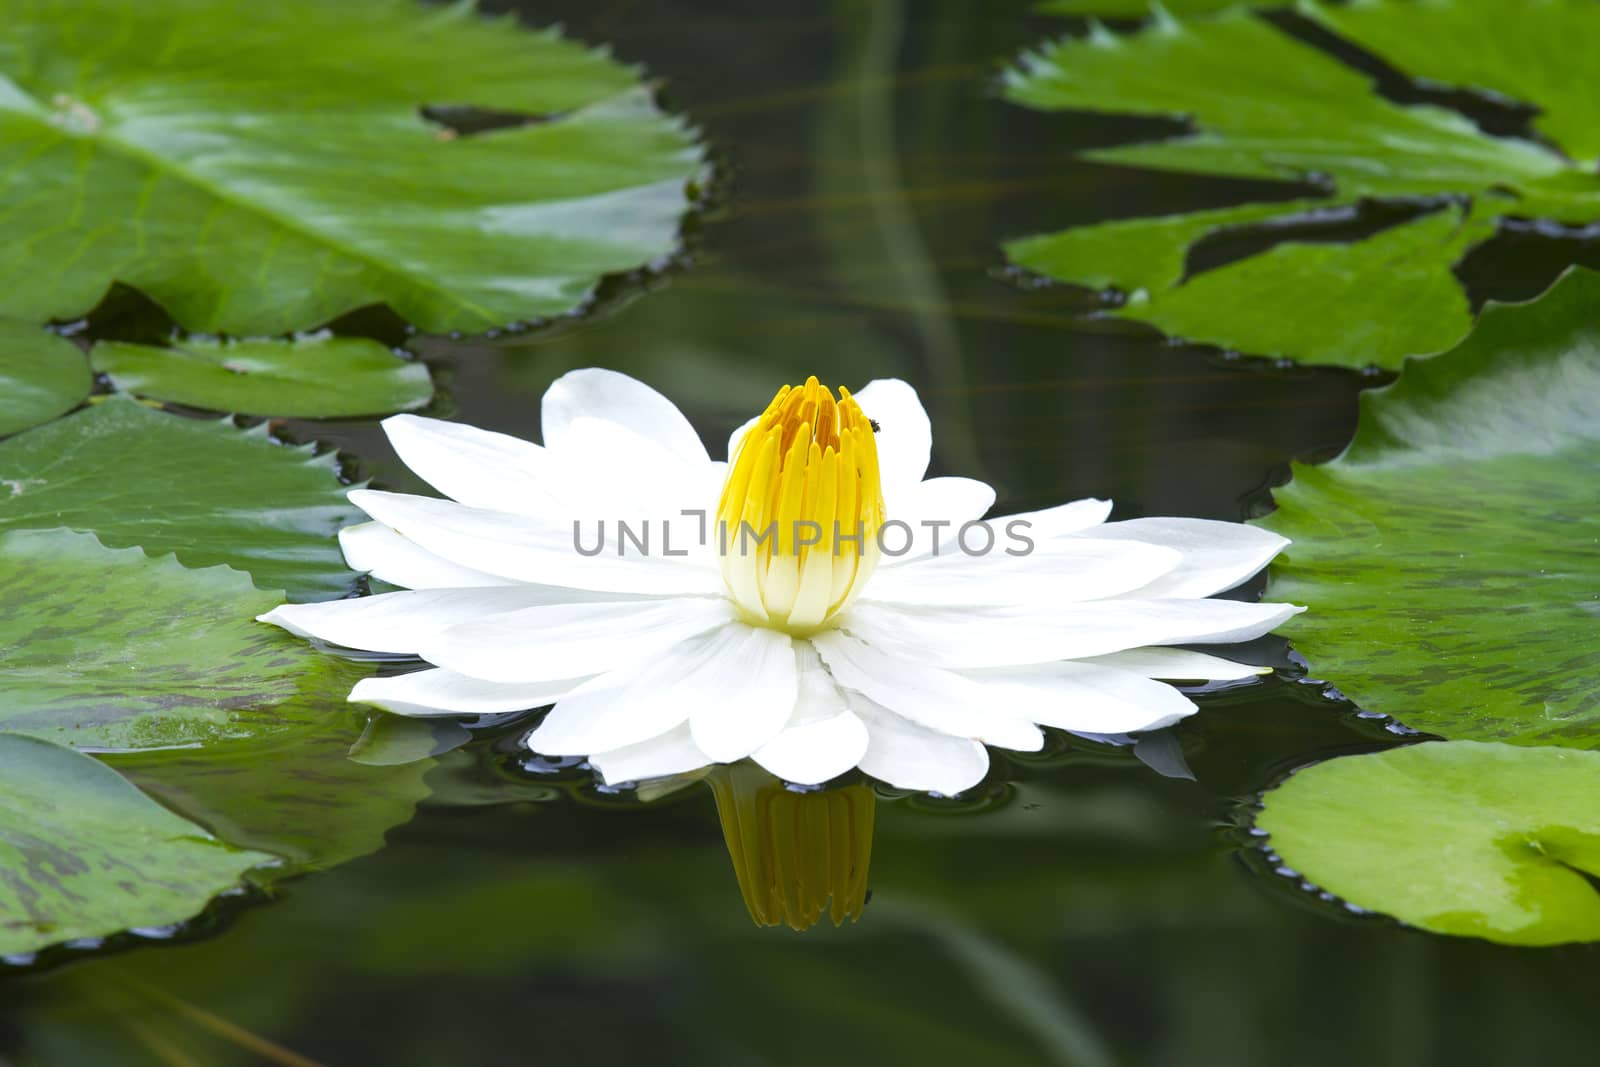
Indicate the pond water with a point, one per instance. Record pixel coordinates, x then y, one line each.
1077 908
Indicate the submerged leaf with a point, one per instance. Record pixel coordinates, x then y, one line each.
296 792
1268 106
84 854
41 376
208 491
111 649
313 377
260 168
1480 840
1450 557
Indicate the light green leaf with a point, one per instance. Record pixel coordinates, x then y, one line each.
1450 557
1479 840
317 376
206 490
1540 53
41 376
296 174
1111 8
1419 307
1269 107
84 854
111 649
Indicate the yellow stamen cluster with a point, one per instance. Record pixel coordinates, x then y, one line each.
800 513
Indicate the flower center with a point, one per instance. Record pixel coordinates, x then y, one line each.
800 513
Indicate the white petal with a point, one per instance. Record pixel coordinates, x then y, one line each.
1060 520
401 622
824 738
970 637
673 752
909 756
631 477
1179 664
567 640
441 692
936 510
606 394
749 692
478 467
746 673
1085 697
378 550
928 696
1060 571
904 438
1216 555
526 549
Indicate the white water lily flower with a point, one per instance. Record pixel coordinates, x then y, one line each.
825 648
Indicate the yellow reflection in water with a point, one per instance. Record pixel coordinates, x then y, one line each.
797 855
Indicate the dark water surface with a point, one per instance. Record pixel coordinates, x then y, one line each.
1078 908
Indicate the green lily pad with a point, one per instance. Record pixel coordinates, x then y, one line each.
465 171
315 377
1274 108
84 854
110 649
295 793
206 490
1450 557
41 376
1135 8
1479 840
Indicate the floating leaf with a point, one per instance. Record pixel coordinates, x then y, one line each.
208 491
1125 8
84 854
295 793
41 376
1481 840
308 168
315 377
111 649
1451 556
1273 108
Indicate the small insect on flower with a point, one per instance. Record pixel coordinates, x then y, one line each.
817 623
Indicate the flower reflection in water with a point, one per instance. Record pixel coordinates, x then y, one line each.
798 855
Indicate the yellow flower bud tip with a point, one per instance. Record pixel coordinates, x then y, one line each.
797 856
797 527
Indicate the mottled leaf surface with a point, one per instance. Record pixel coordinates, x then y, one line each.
1467 838
1264 105
296 793
318 376
206 490
1450 558
111 649
41 376
260 168
84 854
